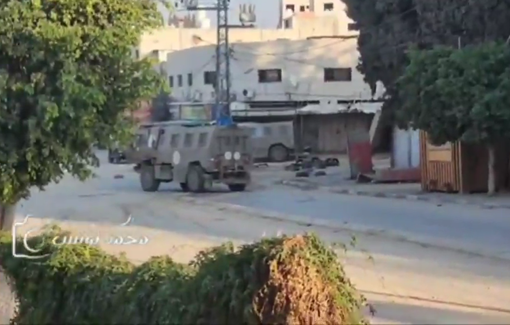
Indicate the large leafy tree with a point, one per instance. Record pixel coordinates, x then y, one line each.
459 94
389 27
67 77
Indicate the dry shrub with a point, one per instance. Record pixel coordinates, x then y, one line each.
283 280
296 292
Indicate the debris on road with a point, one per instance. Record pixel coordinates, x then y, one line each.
303 173
260 165
320 173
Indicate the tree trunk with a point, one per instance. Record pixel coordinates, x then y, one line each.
7 216
491 186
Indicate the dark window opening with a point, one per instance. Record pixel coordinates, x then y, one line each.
290 7
328 6
337 74
270 75
352 27
209 77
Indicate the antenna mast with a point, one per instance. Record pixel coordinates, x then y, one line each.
222 56
246 15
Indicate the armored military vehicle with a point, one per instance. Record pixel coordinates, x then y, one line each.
193 154
138 151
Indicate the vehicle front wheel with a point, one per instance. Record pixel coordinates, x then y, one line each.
195 179
148 180
237 187
278 153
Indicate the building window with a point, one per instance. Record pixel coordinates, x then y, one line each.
209 77
188 140
302 8
290 7
171 81
270 75
179 81
337 74
352 27
190 79
328 6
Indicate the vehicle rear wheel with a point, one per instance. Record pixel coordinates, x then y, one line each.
195 179
184 187
237 187
148 180
278 153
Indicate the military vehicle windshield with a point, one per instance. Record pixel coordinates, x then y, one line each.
233 140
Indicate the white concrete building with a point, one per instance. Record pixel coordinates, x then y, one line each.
303 70
269 13
289 9
322 70
297 20
159 43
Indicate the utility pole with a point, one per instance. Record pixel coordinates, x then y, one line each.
223 83
222 57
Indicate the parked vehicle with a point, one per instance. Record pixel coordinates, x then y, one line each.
116 155
194 155
273 141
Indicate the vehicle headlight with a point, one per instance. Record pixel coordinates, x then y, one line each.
228 155
237 156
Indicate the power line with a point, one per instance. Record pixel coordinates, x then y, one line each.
222 84
345 39
372 30
295 52
346 52
205 64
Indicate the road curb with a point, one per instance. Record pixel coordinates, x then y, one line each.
332 225
408 197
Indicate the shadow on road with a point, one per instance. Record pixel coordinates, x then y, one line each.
412 312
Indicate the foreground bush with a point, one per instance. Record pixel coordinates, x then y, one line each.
283 280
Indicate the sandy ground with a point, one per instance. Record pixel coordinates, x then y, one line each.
407 291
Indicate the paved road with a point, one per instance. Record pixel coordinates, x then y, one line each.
409 283
465 228
468 228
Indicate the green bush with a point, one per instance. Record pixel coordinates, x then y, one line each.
283 280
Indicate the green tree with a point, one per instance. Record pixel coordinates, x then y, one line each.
389 27
67 77
459 94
